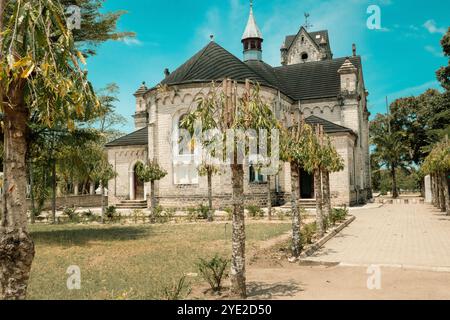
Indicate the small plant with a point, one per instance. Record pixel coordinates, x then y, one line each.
88 216
138 214
71 213
338 215
203 211
178 290
214 271
255 212
192 214
111 213
308 232
229 212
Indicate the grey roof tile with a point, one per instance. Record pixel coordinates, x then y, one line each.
328 126
137 138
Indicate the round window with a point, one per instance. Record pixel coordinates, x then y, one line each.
304 56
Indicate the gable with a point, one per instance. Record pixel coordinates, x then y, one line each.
302 45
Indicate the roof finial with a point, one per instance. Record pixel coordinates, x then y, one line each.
307 25
251 4
211 36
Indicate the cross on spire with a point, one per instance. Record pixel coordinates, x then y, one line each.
307 25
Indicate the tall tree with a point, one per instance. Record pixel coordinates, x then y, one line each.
390 149
223 110
40 74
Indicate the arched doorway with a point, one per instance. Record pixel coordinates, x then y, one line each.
138 186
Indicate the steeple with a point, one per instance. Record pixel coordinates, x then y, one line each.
252 38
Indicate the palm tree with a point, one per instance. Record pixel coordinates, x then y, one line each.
40 74
390 148
223 110
437 164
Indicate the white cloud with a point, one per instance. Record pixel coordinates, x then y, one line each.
432 27
132 41
435 52
407 92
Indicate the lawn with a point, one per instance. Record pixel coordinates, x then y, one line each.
129 262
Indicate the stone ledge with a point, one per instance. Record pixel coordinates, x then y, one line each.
310 250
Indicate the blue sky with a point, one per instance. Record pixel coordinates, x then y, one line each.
398 60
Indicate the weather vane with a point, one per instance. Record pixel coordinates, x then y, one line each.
307 25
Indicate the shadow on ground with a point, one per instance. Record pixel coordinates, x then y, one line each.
259 290
80 236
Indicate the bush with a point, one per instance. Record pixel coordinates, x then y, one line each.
254 212
338 215
89 216
178 290
161 215
138 214
111 213
308 232
203 211
214 271
72 214
192 214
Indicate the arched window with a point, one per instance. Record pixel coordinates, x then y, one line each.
186 143
255 175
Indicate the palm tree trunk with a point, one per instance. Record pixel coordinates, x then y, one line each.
238 279
33 205
319 199
434 190
153 201
103 204
394 183
210 201
442 199
16 245
269 199
296 219
54 191
446 194
326 194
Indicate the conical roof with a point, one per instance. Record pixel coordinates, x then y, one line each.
252 30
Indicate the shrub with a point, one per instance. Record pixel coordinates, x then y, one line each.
213 271
192 214
178 290
161 215
338 215
72 214
138 214
308 232
203 211
89 216
111 213
255 212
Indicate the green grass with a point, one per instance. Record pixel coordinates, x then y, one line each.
129 262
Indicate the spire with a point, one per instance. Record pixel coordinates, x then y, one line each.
252 38
252 30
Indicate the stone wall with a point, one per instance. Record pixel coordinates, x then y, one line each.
85 201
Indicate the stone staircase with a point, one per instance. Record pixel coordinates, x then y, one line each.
304 203
132 204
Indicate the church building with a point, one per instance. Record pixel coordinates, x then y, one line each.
310 82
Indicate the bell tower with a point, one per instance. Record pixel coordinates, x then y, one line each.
252 39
